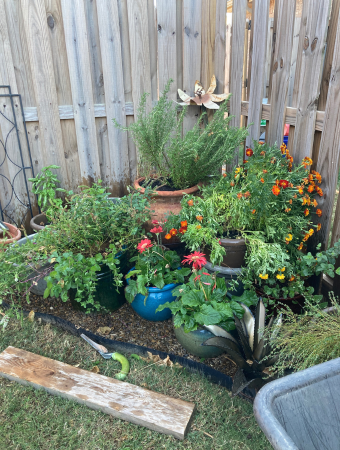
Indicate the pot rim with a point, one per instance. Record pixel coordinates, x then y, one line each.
14 232
167 287
178 193
261 293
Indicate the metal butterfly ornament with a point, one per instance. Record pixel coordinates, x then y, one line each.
201 97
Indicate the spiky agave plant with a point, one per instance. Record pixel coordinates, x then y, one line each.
250 349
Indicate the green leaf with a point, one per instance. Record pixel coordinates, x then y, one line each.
207 316
47 292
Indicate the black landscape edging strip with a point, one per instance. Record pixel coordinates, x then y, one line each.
124 347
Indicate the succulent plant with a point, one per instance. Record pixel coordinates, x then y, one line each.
250 349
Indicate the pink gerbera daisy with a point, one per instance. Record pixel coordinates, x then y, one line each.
196 259
143 245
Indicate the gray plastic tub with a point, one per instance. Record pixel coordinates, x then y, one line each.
228 273
302 411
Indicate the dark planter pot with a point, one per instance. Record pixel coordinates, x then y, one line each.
235 252
228 274
192 342
295 303
38 222
155 298
106 293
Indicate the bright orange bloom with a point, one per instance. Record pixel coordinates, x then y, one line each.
300 247
239 195
287 210
314 203
232 184
284 184
318 212
168 236
200 218
304 201
253 211
191 203
306 212
319 190
290 201
245 161
305 181
294 196
184 224
306 237
182 230
310 178
198 227
300 190
292 278
276 190
311 232
291 185
263 153
317 176
307 161
264 171
310 188
318 228
173 232
262 180
247 194
224 175
277 182
249 152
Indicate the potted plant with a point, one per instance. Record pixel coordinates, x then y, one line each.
44 185
174 165
200 304
153 278
8 234
81 253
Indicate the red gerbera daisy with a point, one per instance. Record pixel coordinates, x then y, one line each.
155 222
156 230
143 245
284 183
196 259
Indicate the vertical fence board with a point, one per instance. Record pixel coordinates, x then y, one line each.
167 35
110 45
220 45
260 27
44 86
208 42
191 55
228 52
328 162
152 48
82 95
308 76
284 26
297 26
63 87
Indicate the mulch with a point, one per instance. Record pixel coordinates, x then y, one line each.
126 326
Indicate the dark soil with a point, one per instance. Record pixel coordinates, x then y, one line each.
160 184
126 326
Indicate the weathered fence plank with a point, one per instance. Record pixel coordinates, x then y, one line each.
208 42
220 45
153 48
260 27
167 35
283 30
312 38
297 26
118 157
81 84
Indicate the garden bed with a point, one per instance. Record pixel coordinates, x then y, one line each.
126 326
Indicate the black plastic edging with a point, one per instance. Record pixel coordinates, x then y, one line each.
124 347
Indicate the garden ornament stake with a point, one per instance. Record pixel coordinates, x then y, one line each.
201 97
116 356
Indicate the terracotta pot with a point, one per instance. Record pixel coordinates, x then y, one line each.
13 231
236 252
38 222
164 202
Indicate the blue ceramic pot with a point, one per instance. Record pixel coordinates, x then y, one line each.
155 298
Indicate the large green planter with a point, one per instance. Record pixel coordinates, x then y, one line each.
193 341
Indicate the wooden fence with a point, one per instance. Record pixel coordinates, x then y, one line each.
78 64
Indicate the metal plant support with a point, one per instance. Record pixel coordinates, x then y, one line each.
18 167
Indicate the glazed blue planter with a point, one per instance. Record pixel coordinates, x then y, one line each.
155 298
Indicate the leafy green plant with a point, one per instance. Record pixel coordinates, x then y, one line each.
155 266
203 301
44 185
178 161
309 339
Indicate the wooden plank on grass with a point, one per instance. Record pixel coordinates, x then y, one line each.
191 33
312 39
82 95
110 46
283 30
120 399
167 36
260 30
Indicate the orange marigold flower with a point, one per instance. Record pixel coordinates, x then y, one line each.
305 181
245 161
273 160
291 185
308 201
184 224
310 188
318 228
200 218
173 231
310 177
307 161
249 152
190 203
318 177
294 196
182 230
284 184
264 171
247 194
319 190
314 203
300 247
224 175
292 278
168 236
198 227
277 182
263 153
287 210
311 232
276 190
300 190
304 201
306 212
306 237
253 211
318 212
290 201
239 195
232 184
262 180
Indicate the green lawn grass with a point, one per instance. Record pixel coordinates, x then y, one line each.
33 419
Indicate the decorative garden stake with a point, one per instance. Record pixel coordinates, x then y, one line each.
201 97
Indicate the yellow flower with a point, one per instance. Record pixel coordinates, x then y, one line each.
282 270
237 170
264 277
311 232
280 277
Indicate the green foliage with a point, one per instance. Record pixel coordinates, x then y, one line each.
44 185
203 301
309 339
182 161
154 267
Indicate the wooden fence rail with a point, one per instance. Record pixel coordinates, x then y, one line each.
79 64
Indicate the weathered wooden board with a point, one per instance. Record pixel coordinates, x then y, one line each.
260 29
208 42
283 30
120 399
296 33
220 45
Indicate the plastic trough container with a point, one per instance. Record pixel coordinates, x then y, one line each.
302 411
